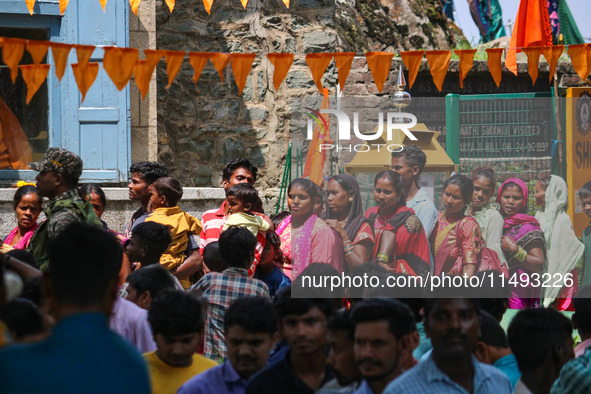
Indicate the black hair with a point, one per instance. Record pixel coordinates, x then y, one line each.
429 305
464 183
175 312
396 181
316 273
154 235
484 172
398 315
22 317
213 258
278 218
23 191
149 171
84 261
496 307
273 239
245 193
582 304
286 305
32 290
413 155
169 188
24 256
545 181
154 279
341 321
236 164
90 188
491 332
69 179
237 246
535 333
585 190
253 314
360 271
309 187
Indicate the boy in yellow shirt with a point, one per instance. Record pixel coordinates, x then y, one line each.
177 320
166 193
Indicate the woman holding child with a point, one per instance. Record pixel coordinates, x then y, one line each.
523 242
345 216
312 240
400 241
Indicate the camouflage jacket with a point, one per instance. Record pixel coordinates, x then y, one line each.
61 211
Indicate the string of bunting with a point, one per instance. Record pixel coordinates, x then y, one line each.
134 4
121 64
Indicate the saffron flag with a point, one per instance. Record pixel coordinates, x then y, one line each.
315 159
282 63
379 64
438 64
466 62
532 28
34 76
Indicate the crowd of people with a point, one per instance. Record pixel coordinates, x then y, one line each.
215 304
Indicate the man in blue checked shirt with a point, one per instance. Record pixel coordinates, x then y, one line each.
453 325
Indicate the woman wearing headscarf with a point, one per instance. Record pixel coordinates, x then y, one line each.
345 215
563 248
523 243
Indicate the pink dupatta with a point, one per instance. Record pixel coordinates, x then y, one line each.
24 241
302 247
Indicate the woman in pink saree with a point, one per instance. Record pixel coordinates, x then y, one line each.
312 240
523 243
27 206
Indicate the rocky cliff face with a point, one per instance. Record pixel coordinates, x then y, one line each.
394 25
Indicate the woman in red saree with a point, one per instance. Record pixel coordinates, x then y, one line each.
312 240
400 241
456 241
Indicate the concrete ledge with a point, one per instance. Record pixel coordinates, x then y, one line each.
196 200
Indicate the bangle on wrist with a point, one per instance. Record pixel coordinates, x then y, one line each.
520 255
382 257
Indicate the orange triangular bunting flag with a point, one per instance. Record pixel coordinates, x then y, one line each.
153 57
286 2
60 57
208 4
494 64
282 63
119 64
220 62
12 53
134 5
466 62
412 60
31 6
63 5
533 62
85 77
244 3
103 4
142 77
170 4
198 60
83 52
174 61
578 58
438 64
34 76
588 59
343 61
379 64
241 65
552 54
318 62
38 50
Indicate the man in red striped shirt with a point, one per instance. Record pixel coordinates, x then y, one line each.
237 171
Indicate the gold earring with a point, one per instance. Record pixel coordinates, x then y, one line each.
350 199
